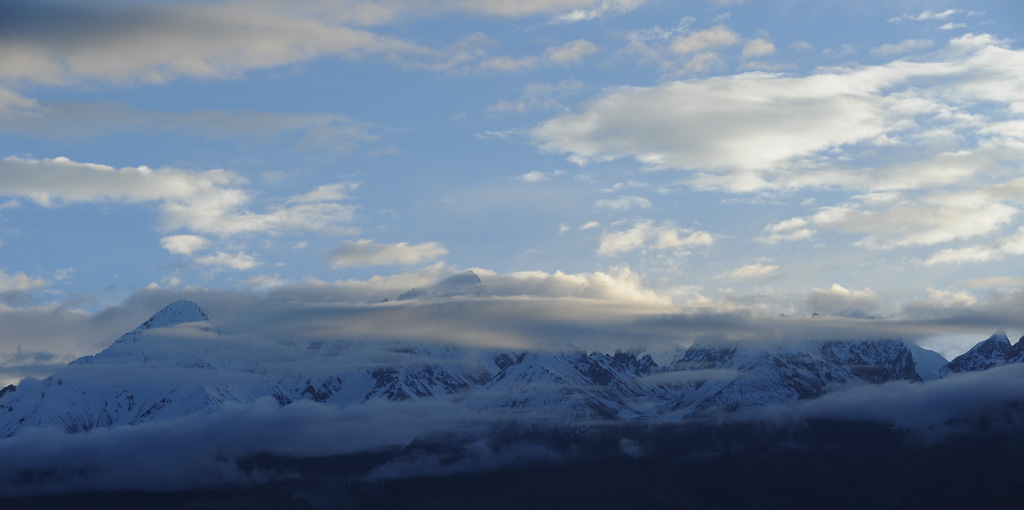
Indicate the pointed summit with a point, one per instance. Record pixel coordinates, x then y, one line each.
1000 337
181 311
466 283
464 278
994 351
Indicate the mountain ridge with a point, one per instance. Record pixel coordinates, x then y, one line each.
188 369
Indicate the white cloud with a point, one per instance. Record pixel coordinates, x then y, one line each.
906 46
601 9
624 203
534 176
758 130
222 260
326 131
645 234
158 43
936 218
538 176
716 36
952 26
539 96
1010 245
838 300
589 225
365 252
19 282
570 53
929 15
758 48
751 273
184 244
208 202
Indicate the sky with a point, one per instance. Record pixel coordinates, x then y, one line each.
708 163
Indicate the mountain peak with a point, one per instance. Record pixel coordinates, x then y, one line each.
999 337
466 283
181 311
463 278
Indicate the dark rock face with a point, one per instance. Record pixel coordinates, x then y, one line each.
992 352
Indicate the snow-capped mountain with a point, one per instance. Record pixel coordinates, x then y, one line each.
177 363
992 352
466 284
752 374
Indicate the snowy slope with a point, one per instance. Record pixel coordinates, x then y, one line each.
178 363
992 352
749 374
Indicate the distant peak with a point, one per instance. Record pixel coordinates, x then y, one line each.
181 311
466 283
464 278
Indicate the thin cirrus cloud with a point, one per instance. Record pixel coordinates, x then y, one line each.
752 272
365 252
624 203
905 46
85 120
570 53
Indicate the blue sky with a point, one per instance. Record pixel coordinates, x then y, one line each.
852 159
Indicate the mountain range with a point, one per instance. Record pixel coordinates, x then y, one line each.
175 364
179 367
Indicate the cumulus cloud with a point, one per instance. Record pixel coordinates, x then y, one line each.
184 244
19 282
758 48
757 131
838 300
719 35
1010 245
601 9
365 252
648 235
624 203
935 218
210 202
239 261
793 229
534 176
